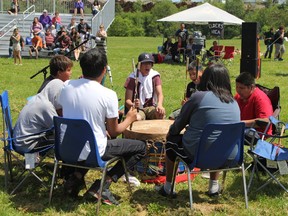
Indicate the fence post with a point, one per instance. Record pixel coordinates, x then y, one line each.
54 6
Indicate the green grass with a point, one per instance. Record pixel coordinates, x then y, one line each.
33 199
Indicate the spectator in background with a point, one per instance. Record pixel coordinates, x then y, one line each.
53 31
72 24
38 27
279 44
76 40
37 45
84 29
167 46
49 40
16 46
96 7
101 37
268 40
63 43
14 10
56 21
45 19
10 50
79 8
182 35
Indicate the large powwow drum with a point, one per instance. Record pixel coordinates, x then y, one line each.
153 132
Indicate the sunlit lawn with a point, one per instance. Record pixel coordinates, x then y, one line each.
33 199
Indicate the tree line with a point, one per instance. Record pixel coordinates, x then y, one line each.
138 22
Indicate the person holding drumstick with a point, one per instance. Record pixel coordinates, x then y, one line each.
213 103
144 90
87 99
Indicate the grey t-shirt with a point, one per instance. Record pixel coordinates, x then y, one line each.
202 108
36 116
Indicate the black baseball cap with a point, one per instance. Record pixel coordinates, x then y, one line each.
145 57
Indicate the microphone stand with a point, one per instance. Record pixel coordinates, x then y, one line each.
44 70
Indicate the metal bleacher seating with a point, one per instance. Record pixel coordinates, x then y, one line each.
25 17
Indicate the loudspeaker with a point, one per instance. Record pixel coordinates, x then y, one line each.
252 66
249 47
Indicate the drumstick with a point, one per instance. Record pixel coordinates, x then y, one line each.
136 93
185 87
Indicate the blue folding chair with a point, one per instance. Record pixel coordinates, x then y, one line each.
270 148
10 153
75 142
215 146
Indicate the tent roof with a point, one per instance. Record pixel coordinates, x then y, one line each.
203 14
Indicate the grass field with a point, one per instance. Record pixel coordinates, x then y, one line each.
33 199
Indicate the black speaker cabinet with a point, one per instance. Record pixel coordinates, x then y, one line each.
252 66
249 47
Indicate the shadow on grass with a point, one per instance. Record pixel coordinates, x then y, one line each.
282 74
272 190
147 198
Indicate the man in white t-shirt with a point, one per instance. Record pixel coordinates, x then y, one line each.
87 99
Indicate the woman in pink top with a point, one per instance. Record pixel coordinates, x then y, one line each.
56 20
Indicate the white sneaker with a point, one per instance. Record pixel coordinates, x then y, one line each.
132 180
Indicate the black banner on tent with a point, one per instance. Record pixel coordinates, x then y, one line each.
216 28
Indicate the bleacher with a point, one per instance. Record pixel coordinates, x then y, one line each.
24 21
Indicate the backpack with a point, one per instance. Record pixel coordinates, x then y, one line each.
28 41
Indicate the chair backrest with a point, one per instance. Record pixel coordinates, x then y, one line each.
216 144
75 141
7 120
229 52
273 94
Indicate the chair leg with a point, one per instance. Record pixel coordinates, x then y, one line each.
126 175
223 180
272 177
176 164
244 185
190 188
53 181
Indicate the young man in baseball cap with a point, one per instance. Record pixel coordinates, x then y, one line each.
144 89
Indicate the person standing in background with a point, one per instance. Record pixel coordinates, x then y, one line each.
16 46
268 41
279 44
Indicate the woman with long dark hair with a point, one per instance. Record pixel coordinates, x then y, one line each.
213 103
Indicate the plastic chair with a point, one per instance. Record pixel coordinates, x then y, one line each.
269 148
228 54
10 153
75 142
222 139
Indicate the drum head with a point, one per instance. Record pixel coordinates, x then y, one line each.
148 130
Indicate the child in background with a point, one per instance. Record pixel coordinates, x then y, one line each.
95 7
191 87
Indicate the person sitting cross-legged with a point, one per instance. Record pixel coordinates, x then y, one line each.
87 99
213 103
149 90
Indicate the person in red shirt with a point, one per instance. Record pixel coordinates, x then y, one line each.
254 104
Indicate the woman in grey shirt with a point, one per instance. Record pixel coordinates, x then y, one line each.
213 103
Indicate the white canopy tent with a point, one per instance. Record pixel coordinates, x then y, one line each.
202 15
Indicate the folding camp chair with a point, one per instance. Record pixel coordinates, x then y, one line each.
269 150
222 139
75 142
228 54
27 169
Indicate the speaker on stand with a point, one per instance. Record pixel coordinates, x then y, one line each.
250 51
